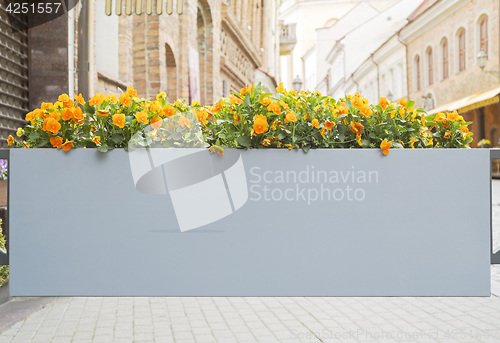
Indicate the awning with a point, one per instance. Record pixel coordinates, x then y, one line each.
470 102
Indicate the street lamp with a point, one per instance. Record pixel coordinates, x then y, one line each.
482 58
297 83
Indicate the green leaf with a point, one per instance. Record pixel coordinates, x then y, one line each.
468 140
102 148
244 141
117 138
129 119
34 136
306 148
348 103
409 104
397 145
89 109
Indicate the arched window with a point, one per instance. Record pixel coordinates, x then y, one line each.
430 66
417 72
172 75
461 49
444 54
483 34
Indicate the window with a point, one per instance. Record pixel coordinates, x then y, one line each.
417 73
461 50
444 53
430 67
483 34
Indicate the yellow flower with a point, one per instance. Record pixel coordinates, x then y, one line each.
266 142
96 140
119 120
161 95
315 123
20 132
280 88
274 124
447 135
26 145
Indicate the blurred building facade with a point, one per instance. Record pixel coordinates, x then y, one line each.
443 40
212 48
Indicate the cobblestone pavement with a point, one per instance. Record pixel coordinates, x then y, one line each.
262 320
236 319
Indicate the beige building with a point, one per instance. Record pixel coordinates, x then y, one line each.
212 48
443 40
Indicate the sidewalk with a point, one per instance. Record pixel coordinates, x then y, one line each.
263 320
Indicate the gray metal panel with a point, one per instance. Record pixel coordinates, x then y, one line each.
80 228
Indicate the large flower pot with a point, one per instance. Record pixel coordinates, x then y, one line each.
250 223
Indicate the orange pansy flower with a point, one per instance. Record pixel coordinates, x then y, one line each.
385 146
67 145
156 122
315 123
125 99
168 110
56 142
259 124
142 117
183 122
67 114
290 117
119 120
329 124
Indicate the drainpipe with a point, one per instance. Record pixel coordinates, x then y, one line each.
71 48
83 50
378 76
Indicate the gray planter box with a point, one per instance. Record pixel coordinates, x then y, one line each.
251 223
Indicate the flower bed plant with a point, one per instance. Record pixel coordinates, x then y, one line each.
250 119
